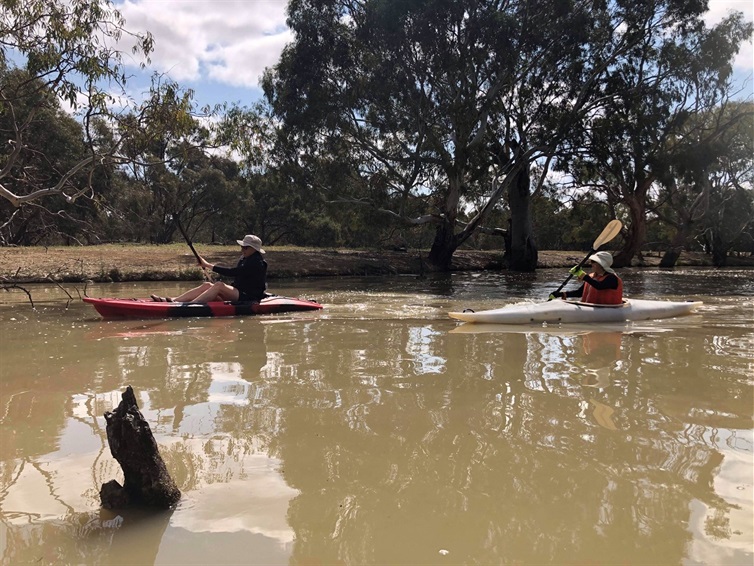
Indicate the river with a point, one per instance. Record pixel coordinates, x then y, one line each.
380 431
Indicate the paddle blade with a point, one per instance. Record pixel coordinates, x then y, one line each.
611 230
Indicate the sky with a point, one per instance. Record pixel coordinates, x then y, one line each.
220 48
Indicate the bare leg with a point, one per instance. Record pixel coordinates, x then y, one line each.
192 294
217 291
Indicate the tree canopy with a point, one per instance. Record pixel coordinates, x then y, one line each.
430 123
55 51
444 103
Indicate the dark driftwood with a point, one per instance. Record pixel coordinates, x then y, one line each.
147 481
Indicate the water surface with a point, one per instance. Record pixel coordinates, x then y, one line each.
379 431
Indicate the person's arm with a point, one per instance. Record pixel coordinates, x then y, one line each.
249 274
609 282
204 263
227 271
575 293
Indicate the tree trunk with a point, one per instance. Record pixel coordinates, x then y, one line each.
523 251
443 247
677 245
446 242
636 233
670 257
147 481
719 251
719 258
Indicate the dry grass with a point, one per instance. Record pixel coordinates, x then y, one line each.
175 262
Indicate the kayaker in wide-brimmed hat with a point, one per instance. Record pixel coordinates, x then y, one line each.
603 260
600 287
249 278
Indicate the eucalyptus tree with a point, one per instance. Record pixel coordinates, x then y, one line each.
175 167
729 222
629 149
69 52
280 207
273 207
53 140
443 102
729 217
406 93
710 184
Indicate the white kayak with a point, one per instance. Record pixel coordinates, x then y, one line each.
560 311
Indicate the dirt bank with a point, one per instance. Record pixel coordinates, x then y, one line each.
175 262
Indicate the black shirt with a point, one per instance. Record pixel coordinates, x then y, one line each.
249 277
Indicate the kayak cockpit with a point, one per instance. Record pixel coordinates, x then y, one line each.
599 306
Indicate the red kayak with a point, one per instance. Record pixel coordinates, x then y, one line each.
147 308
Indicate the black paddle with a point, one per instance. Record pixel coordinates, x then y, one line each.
190 245
185 237
610 231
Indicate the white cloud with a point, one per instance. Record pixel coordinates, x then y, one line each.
242 63
719 9
229 41
215 46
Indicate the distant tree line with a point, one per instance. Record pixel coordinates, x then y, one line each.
432 125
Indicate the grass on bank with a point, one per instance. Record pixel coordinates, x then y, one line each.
175 262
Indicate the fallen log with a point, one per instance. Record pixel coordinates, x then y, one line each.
146 478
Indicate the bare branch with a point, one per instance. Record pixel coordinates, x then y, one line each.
9 286
425 219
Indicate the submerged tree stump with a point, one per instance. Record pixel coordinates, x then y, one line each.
146 478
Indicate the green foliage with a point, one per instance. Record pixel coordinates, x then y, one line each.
52 145
68 46
428 96
549 227
410 124
641 140
289 195
52 51
730 215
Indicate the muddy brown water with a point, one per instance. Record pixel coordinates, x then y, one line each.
379 431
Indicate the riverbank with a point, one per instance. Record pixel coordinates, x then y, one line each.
174 262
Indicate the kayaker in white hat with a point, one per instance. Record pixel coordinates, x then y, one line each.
600 287
249 278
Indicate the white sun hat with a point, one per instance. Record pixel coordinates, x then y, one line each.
251 241
604 259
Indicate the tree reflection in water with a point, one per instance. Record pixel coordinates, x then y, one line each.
386 441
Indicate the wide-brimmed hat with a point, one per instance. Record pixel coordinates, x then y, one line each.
604 259
251 241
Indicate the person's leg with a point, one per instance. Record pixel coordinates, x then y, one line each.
218 291
192 294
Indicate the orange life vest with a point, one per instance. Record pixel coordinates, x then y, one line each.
604 296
